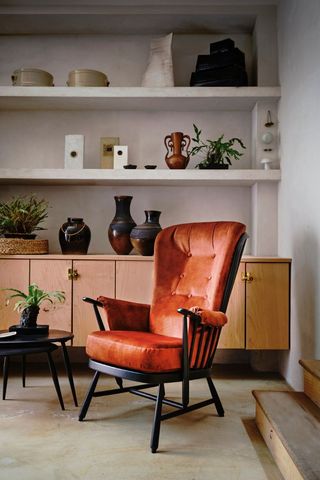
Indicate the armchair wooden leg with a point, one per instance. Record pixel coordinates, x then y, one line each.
157 420
89 396
215 397
6 362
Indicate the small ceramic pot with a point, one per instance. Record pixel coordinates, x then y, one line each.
143 236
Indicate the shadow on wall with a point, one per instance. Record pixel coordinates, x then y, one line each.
305 301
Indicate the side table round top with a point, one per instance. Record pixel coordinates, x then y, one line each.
52 336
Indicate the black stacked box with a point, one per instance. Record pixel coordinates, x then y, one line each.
225 66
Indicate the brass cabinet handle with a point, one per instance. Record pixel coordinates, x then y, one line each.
247 276
72 274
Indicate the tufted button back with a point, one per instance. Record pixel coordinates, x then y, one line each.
203 252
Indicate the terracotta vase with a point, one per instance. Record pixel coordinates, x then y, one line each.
74 237
176 143
121 226
143 236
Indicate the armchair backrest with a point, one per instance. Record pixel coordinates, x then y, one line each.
192 268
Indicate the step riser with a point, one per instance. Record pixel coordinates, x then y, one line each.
277 449
312 387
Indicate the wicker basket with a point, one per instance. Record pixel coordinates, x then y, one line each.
17 246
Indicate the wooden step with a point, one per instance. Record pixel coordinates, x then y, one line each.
311 374
290 425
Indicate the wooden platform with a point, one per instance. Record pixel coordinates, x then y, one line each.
290 425
311 375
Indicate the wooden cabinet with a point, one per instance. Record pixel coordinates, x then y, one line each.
258 311
13 274
267 306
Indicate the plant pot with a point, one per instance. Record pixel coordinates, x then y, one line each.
24 236
21 246
215 166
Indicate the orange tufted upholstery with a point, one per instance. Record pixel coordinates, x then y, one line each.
192 263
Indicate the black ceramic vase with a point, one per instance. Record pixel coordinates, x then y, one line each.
143 236
74 237
121 226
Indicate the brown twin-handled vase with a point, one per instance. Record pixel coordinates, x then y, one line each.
177 144
121 226
143 236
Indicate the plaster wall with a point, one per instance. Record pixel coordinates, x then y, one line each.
299 194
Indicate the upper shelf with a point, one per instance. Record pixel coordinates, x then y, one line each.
137 177
135 98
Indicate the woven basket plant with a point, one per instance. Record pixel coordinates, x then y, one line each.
20 218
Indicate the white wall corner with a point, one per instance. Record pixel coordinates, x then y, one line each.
264 198
265 48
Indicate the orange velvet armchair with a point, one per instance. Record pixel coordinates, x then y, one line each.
175 338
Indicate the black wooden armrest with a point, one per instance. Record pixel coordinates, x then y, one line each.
188 313
95 304
92 301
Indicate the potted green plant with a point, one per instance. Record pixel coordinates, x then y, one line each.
29 304
217 153
20 219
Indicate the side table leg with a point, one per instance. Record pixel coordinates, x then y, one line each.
69 372
55 379
23 371
6 362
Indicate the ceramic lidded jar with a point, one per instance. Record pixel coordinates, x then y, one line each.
121 226
74 236
143 236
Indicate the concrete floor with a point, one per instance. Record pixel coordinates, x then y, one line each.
38 440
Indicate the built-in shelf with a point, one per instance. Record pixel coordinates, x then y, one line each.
135 98
137 177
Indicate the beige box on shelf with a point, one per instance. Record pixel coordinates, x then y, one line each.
31 77
87 78
107 150
120 157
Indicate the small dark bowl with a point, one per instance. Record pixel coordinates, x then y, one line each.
150 167
130 166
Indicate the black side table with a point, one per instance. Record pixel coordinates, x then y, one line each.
27 344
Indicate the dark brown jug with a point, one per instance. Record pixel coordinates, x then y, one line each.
175 144
74 237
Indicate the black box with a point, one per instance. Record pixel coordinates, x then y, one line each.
222 46
221 59
233 75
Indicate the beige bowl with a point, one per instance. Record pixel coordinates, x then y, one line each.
87 78
32 77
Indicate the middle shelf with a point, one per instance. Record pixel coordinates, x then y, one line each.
161 177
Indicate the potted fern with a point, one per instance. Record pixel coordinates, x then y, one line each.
217 154
28 306
20 219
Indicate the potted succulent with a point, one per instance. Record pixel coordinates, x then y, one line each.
29 304
20 218
217 153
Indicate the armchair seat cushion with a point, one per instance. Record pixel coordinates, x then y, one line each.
142 351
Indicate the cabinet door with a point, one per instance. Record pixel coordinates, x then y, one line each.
267 306
53 275
13 274
233 333
134 280
95 277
